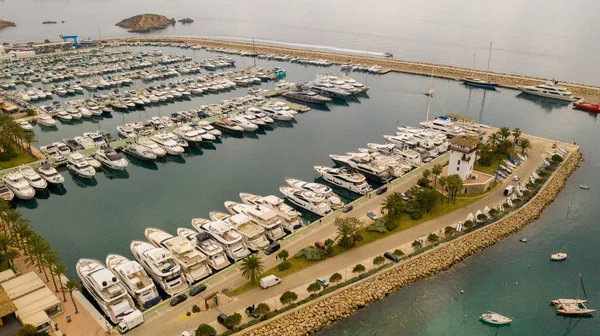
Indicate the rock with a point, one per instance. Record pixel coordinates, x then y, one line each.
4 24
49 22
186 21
145 23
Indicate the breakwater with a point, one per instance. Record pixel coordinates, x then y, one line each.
338 305
428 69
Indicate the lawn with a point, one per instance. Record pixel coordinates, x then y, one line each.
20 159
496 159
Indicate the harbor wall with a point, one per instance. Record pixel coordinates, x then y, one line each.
335 306
428 69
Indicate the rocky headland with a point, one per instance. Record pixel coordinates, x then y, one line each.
145 23
4 24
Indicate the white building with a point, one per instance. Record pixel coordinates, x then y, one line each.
463 151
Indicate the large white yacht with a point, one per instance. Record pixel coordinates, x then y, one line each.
85 142
261 215
230 240
307 200
33 178
217 259
444 125
306 96
151 145
136 280
253 234
50 174
320 189
371 170
328 90
105 288
189 134
193 262
548 90
96 138
345 178
291 217
79 165
19 186
166 142
160 265
108 157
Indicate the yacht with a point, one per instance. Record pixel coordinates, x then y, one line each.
227 125
445 125
291 217
320 189
167 143
209 128
373 171
25 125
495 318
139 152
189 134
279 115
108 157
64 116
548 90
245 124
33 178
19 186
126 131
328 90
251 118
96 138
217 259
345 178
253 234
79 166
49 173
136 281
93 162
5 193
62 148
160 265
307 97
105 288
193 262
46 120
267 218
230 240
84 142
152 146
307 200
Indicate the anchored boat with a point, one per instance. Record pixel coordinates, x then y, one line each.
573 307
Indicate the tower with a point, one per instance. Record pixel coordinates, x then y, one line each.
463 151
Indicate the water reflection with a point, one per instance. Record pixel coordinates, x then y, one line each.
284 124
547 104
84 183
115 174
150 165
209 145
57 189
175 158
27 204
42 194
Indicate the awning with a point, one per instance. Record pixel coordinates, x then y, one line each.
36 319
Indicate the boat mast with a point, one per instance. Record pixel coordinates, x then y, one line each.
578 283
487 74
430 94
254 52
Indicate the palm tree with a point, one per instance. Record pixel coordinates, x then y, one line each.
50 259
25 237
436 171
252 267
39 247
493 139
71 286
29 138
443 181
346 228
426 173
516 133
20 228
504 132
392 204
454 184
58 269
6 246
4 209
524 144
12 217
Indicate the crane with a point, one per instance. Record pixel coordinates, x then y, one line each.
73 37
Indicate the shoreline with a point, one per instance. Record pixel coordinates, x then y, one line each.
322 312
418 68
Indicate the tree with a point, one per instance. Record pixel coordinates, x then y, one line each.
525 145
252 267
468 223
6 249
60 268
556 158
262 309
426 173
443 181
449 231
329 246
436 171
205 330
314 288
233 320
481 217
504 133
335 277
392 205
288 297
50 259
433 238
71 286
417 244
358 268
493 212
493 139
516 133
378 260
283 255
398 253
30 330
455 184
346 228
426 200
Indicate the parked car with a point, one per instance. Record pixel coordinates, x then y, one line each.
515 178
372 215
381 190
347 208
391 256
178 299
274 247
320 245
322 282
269 281
197 290
221 318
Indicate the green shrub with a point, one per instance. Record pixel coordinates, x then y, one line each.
377 226
556 158
391 225
284 265
416 215
378 260
468 224
335 277
195 309
417 244
205 330
357 237
433 238
311 253
269 315
233 320
30 112
398 252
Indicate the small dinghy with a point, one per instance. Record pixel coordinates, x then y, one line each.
495 318
523 240
584 187
558 257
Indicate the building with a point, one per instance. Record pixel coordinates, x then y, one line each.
463 152
51 47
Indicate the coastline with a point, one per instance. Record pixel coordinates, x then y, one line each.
335 306
505 80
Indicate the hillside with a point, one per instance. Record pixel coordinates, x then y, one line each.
4 24
145 23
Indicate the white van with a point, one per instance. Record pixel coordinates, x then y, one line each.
509 190
269 281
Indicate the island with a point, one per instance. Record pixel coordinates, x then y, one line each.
145 23
49 22
186 20
4 24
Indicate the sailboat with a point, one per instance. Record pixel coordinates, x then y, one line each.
495 318
482 83
573 307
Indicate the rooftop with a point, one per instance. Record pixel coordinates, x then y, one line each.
464 141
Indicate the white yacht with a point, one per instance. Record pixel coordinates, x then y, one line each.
136 280
49 173
19 186
96 138
320 189
85 142
327 90
166 142
79 166
267 218
5 193
108 157
25 125
46 120
345 178
245 124
64 116
151 145
217 259
253 234
307 200
105 288
371 170
444 125
189 134
291 217
193 262
33 178
548 90
306 97
139 152
93 162
161 266
209 128
230 240
62 149
126 131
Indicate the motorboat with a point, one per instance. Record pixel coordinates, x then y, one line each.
345 178
50 174
33 178
225 235
445 125
291 217
558 257
19 186
135 280
495 318
548 90
227 125
306 96
79 166
96 138
193 262
139 152
63 115
62 148
253 234
307 200
267 218
108 157
85 142
320 189
93 162
106 289
372 171
126 131
245 124
523 240
152 146
189 134
50 150
209 128
5 193
160 265
251 118
166 142
589 107
25 125
217 259
479 83
573 307
108 138
46 120
328 90
206 136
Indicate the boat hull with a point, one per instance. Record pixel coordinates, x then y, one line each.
587 107
480 85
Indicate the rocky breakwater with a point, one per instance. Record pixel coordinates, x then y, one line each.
4 24
145 23
338 305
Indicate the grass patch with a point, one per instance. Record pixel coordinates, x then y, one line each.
21 158
495 162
